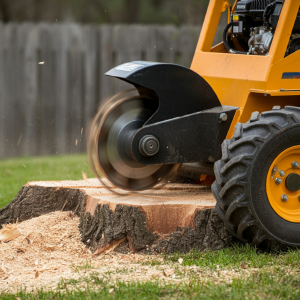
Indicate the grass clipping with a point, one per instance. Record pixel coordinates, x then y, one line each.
9 232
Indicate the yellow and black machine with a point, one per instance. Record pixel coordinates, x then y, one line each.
234 115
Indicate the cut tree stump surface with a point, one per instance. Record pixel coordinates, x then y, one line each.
178 217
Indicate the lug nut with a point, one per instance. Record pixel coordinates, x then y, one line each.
278 181
284 198
295 165
223 117
281 173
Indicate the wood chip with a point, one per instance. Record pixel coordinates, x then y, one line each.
243 266
3 269
36 274
9 232
169 272
180 260
84 176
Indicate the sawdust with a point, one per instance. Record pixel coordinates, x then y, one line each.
49 250
9 232
44 252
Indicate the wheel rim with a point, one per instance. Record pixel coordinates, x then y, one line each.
284 201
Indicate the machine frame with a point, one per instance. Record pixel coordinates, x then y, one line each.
258 87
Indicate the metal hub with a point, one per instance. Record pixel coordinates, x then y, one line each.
149 145
292 182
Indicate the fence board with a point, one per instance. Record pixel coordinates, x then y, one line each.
121 49
90 80
10 38
2 95
61 87
17 86
76 97
166 40
46 95
187 38
106 61
43 108
30 63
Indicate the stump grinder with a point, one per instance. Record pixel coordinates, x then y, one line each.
232 120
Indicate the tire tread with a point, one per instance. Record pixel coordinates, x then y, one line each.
234 208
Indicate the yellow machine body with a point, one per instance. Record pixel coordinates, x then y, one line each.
250 82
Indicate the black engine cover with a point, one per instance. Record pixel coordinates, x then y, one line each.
253 8
256 8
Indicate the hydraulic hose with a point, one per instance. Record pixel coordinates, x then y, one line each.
226 43
267 13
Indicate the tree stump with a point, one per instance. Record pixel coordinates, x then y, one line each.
178 217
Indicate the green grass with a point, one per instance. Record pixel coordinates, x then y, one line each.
240 272
233 257
216 275
18 171
259 285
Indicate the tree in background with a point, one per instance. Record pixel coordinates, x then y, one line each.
105 11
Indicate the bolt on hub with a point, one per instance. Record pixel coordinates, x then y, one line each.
149 145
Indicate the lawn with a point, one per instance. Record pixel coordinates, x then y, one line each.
240 272
18 171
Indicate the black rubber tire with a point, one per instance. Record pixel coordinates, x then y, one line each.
240 186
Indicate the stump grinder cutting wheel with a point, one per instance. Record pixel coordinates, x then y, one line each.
109 142
221 119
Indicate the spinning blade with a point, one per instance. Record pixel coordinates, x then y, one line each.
109 145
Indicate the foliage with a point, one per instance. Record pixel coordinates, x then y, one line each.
105 11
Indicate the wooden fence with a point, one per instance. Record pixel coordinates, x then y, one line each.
44 108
